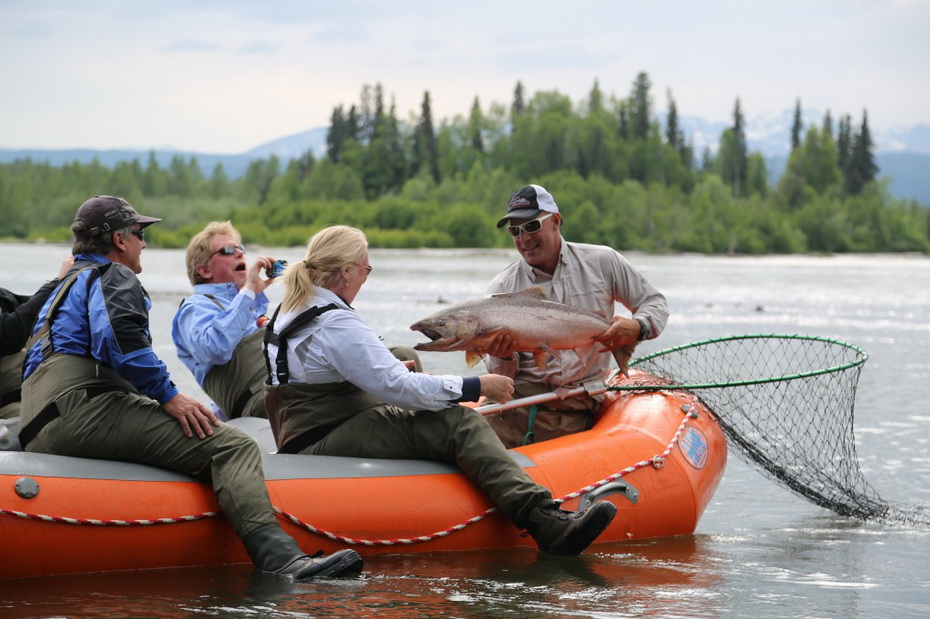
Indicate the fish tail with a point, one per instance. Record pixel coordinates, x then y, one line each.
622 355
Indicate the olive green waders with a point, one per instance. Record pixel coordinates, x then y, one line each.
237 386
352 423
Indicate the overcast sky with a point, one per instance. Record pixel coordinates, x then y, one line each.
223 76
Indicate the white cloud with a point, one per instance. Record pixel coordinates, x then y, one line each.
224 76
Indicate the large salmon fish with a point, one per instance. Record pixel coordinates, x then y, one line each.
538 326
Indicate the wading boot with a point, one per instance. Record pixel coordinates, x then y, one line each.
340 563
277 555
561 532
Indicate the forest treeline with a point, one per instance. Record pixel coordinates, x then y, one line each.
620 176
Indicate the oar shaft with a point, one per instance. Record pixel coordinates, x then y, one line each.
591 388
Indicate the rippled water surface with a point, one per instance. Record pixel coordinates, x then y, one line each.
759 550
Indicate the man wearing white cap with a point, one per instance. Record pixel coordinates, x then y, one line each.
594 277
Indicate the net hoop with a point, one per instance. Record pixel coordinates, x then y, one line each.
860 358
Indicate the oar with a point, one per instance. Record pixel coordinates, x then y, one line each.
594 387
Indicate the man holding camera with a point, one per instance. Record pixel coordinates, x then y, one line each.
218 330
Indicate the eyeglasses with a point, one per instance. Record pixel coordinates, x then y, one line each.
140 234
229 250
369 269
530 227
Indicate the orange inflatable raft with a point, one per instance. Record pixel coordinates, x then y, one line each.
658 456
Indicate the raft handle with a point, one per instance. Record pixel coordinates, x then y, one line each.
614 487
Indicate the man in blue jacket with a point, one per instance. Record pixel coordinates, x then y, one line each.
217 330
94 388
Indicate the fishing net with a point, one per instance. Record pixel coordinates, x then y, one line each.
786 402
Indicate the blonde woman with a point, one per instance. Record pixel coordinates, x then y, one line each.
335 389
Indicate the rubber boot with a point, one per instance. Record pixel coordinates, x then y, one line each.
561 532
276 554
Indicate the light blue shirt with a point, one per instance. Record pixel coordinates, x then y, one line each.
206 335
339 346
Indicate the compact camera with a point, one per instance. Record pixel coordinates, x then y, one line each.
276 269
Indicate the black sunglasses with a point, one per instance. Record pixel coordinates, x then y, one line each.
140 233
229 250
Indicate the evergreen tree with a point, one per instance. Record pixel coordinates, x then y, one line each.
640 108
180 183
672 133
219 182
595 141
797 126
732 157
595 99
126 179
336 136
395 146
383 164
518 107
862 168
426 153
155 181
813 164
475 127
623 120
707 160
256 184
828 124
844 143
353 125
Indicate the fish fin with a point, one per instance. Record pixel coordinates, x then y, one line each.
542 359
622 356
535 291
542 355
472 358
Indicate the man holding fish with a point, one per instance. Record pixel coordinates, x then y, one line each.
589 277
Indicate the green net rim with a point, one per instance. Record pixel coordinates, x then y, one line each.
862 357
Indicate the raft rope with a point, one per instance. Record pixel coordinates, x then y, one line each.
106 523
658 461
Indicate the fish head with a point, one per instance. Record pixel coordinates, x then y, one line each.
448 330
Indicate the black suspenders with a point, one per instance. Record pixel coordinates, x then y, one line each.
280 339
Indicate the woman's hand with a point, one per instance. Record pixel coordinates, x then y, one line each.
496 388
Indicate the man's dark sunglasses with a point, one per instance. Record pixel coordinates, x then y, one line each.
229 250
140 233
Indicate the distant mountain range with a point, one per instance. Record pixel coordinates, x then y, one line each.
903 155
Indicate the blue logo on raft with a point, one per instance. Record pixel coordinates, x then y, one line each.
693 447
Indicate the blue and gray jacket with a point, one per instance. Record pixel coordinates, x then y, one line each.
105 317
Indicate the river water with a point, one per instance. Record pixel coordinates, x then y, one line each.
759 549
